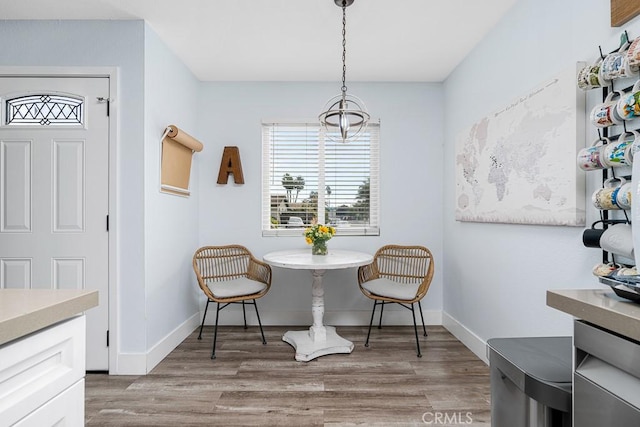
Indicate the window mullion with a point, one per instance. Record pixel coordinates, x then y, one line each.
321 177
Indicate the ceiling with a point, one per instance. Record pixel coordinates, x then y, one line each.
297 40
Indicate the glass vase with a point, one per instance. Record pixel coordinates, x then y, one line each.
319 248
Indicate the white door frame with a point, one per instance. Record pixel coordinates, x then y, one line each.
112 74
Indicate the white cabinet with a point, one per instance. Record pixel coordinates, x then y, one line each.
42 377
66 409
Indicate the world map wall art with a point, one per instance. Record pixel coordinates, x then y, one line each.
517 164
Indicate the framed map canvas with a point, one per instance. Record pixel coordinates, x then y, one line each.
518 164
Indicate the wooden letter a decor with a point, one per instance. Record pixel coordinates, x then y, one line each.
230 165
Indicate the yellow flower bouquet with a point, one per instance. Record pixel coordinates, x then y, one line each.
317 235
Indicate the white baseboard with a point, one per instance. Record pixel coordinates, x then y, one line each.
466 337
143 363
171 341
130 364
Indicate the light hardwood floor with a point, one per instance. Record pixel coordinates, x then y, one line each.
254 385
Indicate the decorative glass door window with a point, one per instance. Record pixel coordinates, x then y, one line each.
44 110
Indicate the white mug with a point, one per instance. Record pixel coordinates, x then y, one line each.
628 106
606 114
624 195
592 158
604 269
589 77
626 271
620 152
612 65
618 240
633 55
605 198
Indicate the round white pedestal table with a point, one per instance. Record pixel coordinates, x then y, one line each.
319 340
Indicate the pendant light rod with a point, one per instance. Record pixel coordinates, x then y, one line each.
344 45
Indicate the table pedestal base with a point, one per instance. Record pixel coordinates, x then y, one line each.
307 349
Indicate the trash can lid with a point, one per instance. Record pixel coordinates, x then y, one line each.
540 366
548 359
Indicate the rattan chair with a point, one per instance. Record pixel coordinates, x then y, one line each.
398 274
230 275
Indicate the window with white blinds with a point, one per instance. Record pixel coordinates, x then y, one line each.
307 178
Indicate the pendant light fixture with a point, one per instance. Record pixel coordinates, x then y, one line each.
345 116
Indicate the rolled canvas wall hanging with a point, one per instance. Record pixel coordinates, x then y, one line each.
177 151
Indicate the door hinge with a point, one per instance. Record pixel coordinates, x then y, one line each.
107 338
107 100
107 222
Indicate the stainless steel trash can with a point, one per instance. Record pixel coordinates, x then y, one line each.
530 381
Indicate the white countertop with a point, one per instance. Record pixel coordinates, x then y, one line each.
303 260
23 311
600 307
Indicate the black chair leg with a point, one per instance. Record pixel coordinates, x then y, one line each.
381 310
373 312
424 328
255 305
244 314
215 333
204 317
415 328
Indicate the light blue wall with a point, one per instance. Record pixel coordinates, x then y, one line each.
171 223
105 44
491 278
411 183
496 275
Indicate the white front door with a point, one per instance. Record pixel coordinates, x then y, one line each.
54 145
